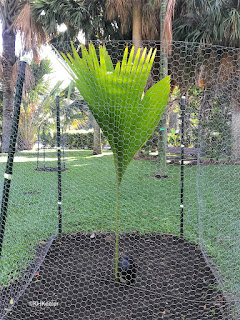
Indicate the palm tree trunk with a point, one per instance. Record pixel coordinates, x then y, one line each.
235 132
137 24
137 33
97 146
162 127
8 61
236 113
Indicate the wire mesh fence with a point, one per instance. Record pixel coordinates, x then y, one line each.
89 233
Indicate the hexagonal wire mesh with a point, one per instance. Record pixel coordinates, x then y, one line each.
178 255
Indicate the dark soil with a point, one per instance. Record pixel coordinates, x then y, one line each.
76 281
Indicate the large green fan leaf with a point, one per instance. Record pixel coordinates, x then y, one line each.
126 115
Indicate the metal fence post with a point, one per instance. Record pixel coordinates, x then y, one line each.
11 151
183 105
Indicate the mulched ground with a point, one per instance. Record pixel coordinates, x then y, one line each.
76 281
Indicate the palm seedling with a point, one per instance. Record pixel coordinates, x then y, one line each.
126 113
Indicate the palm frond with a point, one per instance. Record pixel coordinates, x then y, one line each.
150 22
29 78
231 26
116 97
212 22
119 9
32 33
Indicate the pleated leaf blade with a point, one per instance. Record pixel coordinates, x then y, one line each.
126 114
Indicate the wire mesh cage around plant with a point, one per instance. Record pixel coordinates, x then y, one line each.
193 277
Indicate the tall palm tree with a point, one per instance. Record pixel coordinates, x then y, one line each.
15 16
139 16
162 127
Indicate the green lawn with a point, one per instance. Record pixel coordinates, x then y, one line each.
147 205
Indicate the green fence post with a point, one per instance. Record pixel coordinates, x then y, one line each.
11 151
59 167
183 103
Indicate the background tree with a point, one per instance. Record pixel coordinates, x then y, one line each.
167 9
87 16
141 17
35 105
148 20
211 22
15 16
214 22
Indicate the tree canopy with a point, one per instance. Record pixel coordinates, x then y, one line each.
212 22
87 16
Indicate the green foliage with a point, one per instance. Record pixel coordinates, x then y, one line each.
116 98
193 110
79 140
87 16
215 118
40 70
217 129
215 123
213 21
174 138
151 144
35 105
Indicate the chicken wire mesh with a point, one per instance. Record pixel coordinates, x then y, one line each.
178 254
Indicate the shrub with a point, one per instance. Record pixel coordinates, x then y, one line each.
78 140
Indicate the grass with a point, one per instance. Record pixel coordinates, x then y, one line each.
146 205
